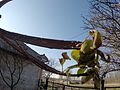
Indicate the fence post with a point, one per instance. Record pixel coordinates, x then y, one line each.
63 87
102 84
46 85
53 85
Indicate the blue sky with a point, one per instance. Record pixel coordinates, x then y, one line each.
55 19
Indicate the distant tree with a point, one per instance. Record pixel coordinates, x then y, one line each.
46 74
104 15
52 63
11 68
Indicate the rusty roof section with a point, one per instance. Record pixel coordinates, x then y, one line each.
43 42
5 46
35 60
3 2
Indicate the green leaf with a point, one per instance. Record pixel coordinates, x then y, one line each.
71 67
62 61
85 79
93 73
81 70
97 80
75 54
85 47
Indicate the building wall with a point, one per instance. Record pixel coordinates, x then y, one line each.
29 76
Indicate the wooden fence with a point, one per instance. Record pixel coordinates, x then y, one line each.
50 85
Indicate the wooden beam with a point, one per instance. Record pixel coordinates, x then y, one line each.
3 2
43 42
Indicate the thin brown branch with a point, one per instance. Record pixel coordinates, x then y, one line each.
4 78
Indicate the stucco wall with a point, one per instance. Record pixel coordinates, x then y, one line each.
29 76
